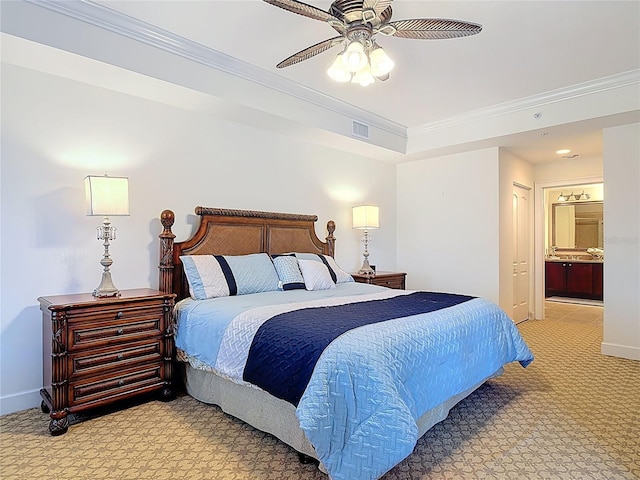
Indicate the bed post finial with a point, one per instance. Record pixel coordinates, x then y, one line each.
331 240
167 218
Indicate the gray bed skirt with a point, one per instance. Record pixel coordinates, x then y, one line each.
278 417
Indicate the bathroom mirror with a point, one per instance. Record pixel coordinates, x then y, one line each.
578 225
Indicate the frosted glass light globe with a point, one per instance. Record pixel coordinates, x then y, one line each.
381 64
354 57
338 70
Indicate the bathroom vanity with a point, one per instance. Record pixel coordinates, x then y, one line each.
574 278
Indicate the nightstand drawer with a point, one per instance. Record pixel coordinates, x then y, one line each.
97 389
100 311
99 361
390 282
383 279
87 334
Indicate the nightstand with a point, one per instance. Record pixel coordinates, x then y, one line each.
97 351
384 279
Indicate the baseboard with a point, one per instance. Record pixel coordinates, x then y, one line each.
19 401
622 351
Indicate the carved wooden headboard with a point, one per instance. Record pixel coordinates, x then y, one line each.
236 232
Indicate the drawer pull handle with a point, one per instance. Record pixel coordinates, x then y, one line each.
119 315
120 331
120 382
120 356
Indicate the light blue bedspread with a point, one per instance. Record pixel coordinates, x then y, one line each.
371 384
201 323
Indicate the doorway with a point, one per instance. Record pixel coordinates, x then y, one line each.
542 235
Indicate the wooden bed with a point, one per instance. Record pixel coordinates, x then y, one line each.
237 232
240 232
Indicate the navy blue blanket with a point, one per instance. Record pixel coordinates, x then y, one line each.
286 347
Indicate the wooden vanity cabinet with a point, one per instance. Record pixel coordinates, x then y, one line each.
574 279
555 278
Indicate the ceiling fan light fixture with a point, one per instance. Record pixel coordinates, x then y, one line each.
363 76
381 63
355 57
357 23
338 71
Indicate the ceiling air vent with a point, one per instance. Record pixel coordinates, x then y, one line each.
360 130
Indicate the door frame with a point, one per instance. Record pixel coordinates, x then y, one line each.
539 253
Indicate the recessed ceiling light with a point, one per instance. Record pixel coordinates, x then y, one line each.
563 151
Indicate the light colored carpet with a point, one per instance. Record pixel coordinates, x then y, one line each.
572 414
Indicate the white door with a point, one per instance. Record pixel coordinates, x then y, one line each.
520 253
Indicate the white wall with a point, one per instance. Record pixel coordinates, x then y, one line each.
622 241
55 131
455 222
568 170
448 214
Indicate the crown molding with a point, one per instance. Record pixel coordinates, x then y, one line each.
121 24
612 82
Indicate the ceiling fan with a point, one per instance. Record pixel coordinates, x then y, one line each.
358 22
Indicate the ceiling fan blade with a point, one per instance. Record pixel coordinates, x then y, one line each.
310 52
378 6
303 9
430 28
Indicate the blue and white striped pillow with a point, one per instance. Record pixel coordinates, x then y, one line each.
212 276
288 272
316 275
337 274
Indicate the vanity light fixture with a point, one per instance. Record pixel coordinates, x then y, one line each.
580 196
106 196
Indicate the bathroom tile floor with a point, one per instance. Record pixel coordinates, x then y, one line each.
574 313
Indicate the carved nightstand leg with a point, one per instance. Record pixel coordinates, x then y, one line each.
167 394
58 426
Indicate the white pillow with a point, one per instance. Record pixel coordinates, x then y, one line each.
341 275
337 273
316 275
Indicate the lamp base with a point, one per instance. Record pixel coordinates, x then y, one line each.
366 269
106 287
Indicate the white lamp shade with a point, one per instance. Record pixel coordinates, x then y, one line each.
338 71
107 196
363 76
381 64
366 217
354 57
